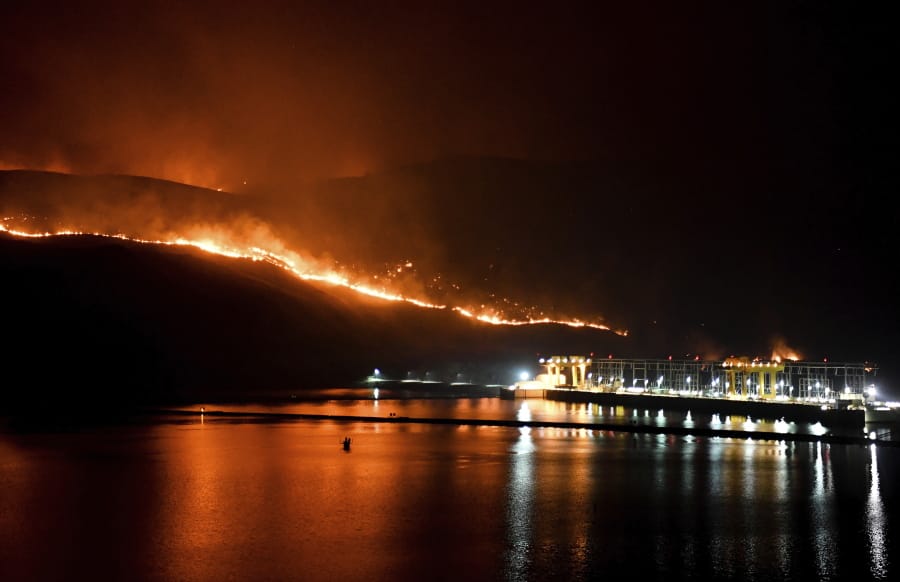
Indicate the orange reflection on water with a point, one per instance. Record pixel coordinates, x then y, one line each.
287 497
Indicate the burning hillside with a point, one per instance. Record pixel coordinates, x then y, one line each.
104 321
161 213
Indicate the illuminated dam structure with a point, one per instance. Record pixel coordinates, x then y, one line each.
837 385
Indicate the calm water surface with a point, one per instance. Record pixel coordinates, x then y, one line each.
248 499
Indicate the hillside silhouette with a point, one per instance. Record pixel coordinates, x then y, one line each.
95 322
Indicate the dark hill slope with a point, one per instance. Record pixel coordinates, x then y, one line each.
94 321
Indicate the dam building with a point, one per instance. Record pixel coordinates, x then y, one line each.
836 384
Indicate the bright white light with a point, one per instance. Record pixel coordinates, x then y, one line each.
524 413
523 375
377 372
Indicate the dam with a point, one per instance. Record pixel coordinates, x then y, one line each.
835 394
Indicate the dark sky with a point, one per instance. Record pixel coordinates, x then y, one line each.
270 92
772 122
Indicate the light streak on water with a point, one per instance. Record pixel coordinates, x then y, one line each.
875 522
823 489
520 506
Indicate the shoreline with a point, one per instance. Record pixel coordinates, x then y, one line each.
634 428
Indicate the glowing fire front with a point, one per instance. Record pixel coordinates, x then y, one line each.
293 263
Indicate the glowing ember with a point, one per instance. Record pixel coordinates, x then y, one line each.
294 264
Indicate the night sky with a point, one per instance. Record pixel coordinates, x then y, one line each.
276 91
712 166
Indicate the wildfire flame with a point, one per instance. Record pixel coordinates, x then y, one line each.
307 271
781 352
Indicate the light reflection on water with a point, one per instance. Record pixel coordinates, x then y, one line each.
822 512
536 409
521 502
214 498
875 521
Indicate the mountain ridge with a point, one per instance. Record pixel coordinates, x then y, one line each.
132 323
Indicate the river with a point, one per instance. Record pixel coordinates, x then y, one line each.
201 497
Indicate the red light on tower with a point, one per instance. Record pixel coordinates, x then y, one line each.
670 358
610 356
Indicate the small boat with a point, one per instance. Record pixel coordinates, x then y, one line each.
346 443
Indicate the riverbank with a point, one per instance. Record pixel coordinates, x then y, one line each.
597 426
